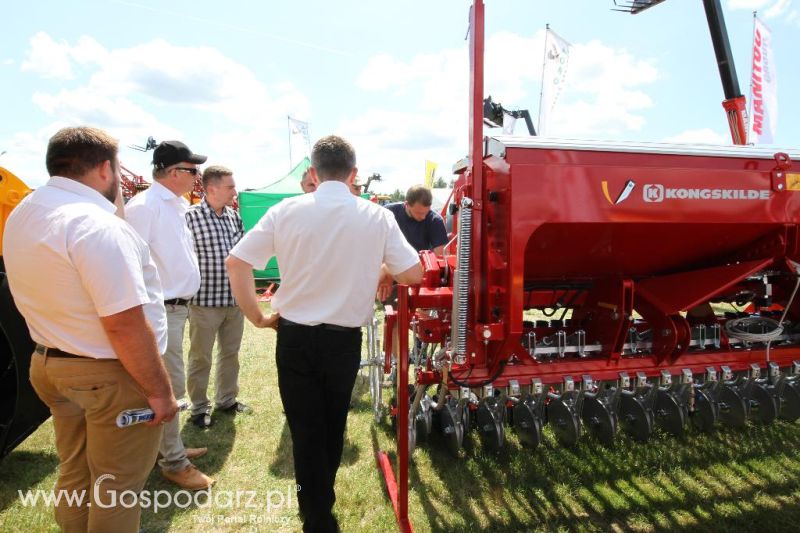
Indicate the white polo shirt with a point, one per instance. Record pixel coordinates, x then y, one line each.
70 261
330 246
159 216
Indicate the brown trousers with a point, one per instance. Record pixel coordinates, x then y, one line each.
226 325
85 396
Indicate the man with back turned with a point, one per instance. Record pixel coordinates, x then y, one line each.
333 248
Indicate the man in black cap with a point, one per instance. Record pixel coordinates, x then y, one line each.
159 216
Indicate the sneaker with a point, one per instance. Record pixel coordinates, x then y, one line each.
236 407
203 420
194 453
190 478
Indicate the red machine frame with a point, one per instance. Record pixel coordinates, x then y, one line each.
555 225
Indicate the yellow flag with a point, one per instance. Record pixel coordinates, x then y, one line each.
430 173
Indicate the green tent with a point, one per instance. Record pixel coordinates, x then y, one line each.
254 203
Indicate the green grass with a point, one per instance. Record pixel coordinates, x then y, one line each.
727 481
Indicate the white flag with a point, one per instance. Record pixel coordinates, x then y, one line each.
554 73
508 124
299 139
763 88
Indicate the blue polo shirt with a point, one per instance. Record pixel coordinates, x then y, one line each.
424 235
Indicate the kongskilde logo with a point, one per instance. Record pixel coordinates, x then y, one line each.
655 192
623 194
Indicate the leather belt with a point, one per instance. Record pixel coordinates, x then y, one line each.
331 327
55 352
176 301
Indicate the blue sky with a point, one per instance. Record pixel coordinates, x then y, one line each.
389 76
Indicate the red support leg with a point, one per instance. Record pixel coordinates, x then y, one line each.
398 491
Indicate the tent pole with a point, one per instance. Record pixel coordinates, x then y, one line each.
289 132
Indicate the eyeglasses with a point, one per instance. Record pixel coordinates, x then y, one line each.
192 171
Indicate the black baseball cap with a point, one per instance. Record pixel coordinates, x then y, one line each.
169 153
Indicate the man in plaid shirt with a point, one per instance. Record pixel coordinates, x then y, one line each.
213 312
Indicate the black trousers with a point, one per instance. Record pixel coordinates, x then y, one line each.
317 369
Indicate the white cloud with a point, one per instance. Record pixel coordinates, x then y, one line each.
25 153
699 136
770 9
198 77
128 91
778 9
604 93
48 58
747 4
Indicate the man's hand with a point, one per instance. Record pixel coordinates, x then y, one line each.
385 283
164 410
268 321
243 287
134 343
384 290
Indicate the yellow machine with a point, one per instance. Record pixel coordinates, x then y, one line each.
12 191
21 411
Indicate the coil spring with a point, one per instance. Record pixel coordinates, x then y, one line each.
461 282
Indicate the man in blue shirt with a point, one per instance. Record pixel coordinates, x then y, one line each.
423 229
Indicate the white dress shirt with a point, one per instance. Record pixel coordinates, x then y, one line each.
70 261
160 218
330 246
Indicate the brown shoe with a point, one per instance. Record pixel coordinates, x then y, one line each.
190 478
194 453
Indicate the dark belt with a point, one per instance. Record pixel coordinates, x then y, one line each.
55 352
331 327
176 301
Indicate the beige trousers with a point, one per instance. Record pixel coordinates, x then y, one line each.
173 453
85 396
226 325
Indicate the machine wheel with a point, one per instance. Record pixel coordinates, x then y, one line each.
636 417
565 424
424 419
527 424
412 435
490 423
452 426
705 412
466 417
732 407
670 414
600 419
790 401
763 408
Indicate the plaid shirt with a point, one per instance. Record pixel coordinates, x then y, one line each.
214 236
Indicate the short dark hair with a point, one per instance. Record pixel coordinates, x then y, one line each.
419 194
214 173
334 158
73 152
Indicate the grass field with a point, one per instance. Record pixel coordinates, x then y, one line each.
726 481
